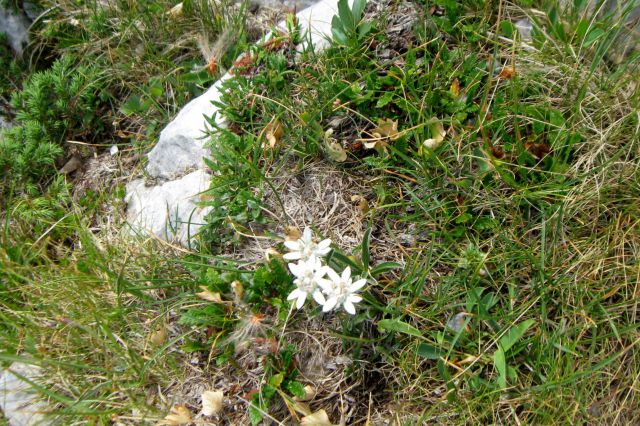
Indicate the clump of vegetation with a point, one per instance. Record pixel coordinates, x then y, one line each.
62 103
485 152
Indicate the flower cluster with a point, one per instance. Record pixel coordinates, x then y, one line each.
315 279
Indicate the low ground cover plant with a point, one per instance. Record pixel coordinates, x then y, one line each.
482 152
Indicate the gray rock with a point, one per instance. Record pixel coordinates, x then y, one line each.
4 123
524 27
180 148
19 402
16 26
171 210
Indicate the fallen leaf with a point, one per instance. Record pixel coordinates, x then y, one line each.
209 295
159 336
179 415
387 130
455 88
273 132
363 204
334 150
309 393
238 290
292 233
538 150
497 152
437 135
507 73
272 253
319 418
176 10
212 402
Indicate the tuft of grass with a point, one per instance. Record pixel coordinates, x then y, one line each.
94 315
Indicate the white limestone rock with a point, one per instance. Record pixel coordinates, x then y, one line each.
20 404
317 20
181 144
16 26
171 210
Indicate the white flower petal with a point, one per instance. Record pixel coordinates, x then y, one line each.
306 235
357 285
296 269
294 255
354 298
302 296
330 304
324 245
293 245
294 294
333 275
348 306
346 274
319 297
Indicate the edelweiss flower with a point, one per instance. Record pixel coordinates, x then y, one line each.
305 248
341 290
309 275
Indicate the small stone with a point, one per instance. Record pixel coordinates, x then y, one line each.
524 27
407 240
20 404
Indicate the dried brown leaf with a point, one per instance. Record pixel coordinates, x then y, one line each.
319 418
334 150
455 88
208 295
179 415
363 204
159 336
292 233
273 132
437 135
507 73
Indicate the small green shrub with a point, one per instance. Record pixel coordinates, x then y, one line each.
59 104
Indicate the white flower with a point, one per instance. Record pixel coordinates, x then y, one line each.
341 290
305 248
309 276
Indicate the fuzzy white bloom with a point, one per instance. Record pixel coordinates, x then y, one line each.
341 291
309 278
305 248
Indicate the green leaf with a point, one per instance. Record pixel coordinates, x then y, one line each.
592 36
364 28
345 16
399 327
276 380
255 416
514 334
500 363
365 248
428 351
339 36
358 9
383 267
384 99
296 389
